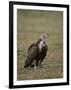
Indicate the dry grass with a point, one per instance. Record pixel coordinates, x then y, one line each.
31 24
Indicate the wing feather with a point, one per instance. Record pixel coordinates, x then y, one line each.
32 53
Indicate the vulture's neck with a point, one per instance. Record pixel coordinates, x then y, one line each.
41 43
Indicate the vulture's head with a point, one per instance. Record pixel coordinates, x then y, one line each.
42 40
43 37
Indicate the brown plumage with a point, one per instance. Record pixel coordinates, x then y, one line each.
36 52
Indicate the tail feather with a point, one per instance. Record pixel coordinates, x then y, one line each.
28 62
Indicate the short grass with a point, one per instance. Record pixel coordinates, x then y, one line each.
30 25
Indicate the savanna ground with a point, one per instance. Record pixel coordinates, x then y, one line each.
30 25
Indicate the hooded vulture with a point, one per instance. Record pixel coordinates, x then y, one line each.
36 52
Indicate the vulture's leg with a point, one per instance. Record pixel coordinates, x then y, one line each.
35 64
38 63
